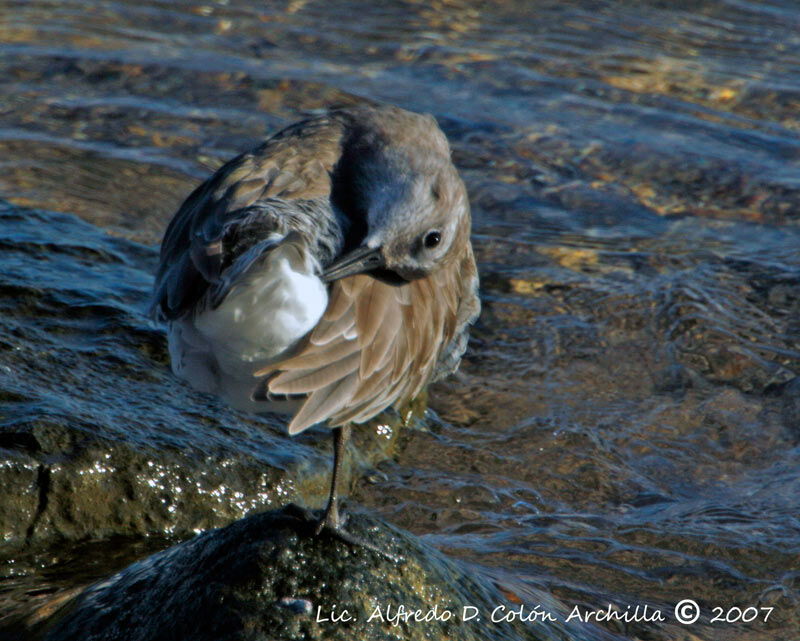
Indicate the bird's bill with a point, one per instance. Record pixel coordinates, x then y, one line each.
358 261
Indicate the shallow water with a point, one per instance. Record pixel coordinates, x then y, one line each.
625 425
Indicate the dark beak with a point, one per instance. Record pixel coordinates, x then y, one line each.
358 261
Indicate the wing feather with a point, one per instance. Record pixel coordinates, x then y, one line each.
305 381
330 353
337 307
377 354
323 403
373 304
370 389
327 331
376 404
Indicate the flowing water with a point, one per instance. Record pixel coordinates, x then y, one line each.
625 427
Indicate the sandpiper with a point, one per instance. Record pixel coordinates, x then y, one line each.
327 273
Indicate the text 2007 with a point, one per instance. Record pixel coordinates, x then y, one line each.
739 615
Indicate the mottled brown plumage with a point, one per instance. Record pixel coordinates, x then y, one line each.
328 271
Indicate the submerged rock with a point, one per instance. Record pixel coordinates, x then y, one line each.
268 577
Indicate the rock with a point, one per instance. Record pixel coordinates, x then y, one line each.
268 577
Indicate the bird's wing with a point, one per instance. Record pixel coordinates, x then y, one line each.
469 308
251 192
376 345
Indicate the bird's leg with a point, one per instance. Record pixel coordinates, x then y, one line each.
330 519
341 435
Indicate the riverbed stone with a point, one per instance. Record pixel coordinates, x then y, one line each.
269 577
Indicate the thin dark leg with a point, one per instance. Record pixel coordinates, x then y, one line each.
341 435
330 519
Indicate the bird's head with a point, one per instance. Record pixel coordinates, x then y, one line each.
406 206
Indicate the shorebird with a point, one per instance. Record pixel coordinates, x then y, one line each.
327 273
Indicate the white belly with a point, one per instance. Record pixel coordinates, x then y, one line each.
260 321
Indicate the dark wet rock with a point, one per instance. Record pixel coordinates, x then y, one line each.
268 577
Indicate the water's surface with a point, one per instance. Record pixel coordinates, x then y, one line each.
626 425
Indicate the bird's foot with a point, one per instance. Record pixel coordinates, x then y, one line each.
335 527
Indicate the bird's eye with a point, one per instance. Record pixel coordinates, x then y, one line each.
431 239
